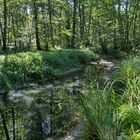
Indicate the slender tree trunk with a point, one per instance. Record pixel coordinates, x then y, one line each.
13 118
139 24
50 22
114 22
103 44
14 32
35 10
82 20
5 24
90 19
68 25
121 29
1 29
126 27
74 25
0 42
45 30
68 28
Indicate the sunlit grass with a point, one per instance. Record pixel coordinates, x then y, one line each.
99 110
21 67
114 111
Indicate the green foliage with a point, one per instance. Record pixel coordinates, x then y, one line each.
95 22
129 68
135 136
114 112
17 68
129 117
99 112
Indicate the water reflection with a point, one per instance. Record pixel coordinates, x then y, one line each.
37 112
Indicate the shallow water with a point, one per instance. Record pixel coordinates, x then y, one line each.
37 112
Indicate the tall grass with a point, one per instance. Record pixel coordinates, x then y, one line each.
99 109
128 69
114 113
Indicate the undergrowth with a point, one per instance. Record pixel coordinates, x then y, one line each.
113 113
18 68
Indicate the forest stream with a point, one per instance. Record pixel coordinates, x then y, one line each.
37 112
69 69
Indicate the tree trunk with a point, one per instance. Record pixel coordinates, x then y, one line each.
68 25
114 30
36 25
74 25
103 43
126 26
68 28
82 20
5 24
50 22
13 118
14 32
121 30
1 34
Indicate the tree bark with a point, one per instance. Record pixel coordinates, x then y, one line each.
35 10
5 24
14 32
74 24
50 22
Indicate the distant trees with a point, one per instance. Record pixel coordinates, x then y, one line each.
70 23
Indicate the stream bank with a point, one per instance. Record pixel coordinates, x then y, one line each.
52 109
21 68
